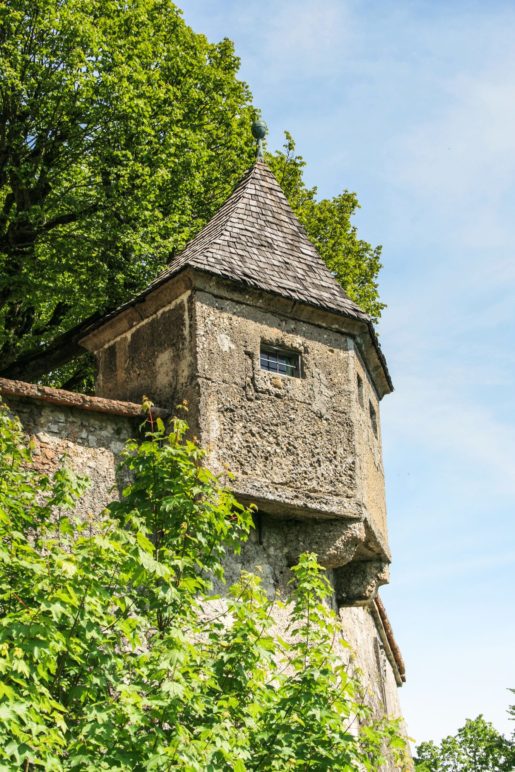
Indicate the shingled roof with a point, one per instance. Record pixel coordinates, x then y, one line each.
256 239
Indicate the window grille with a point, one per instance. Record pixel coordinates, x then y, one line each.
281 361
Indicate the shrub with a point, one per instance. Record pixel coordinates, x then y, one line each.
114 653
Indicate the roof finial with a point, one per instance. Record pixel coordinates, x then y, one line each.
259 130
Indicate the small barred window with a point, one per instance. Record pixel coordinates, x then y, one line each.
282 361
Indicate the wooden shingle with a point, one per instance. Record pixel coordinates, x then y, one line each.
256 239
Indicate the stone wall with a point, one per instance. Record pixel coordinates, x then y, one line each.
152 358
306 450
88 442
373 658
308 445
297 446
372 651
369 457
289 441
88 434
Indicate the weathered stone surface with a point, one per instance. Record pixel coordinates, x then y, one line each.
52 396
372 651
152 358
306 450
372 657
89 443
297 446
357 582
334 541
276 544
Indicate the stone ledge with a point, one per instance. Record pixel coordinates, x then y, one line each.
283 501
23 390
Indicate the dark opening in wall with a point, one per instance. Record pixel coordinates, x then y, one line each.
360 389
373 417
279 360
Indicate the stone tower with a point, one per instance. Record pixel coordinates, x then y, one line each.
283 374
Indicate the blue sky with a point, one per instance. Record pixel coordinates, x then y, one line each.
412 105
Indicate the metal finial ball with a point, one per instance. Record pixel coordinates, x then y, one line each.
259 129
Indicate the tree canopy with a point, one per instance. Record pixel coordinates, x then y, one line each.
476 746
121 133
116 654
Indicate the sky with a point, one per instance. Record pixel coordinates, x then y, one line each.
411 104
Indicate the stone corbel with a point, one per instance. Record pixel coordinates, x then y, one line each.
334 541
357 582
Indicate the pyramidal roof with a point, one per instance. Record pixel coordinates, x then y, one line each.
255 238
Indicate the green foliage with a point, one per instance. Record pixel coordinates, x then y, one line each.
121 133
476 746
355 263
115 654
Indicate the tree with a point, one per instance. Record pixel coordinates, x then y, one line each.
121 133
114 654
476 746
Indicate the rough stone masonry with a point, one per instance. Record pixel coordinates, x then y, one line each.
283 374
